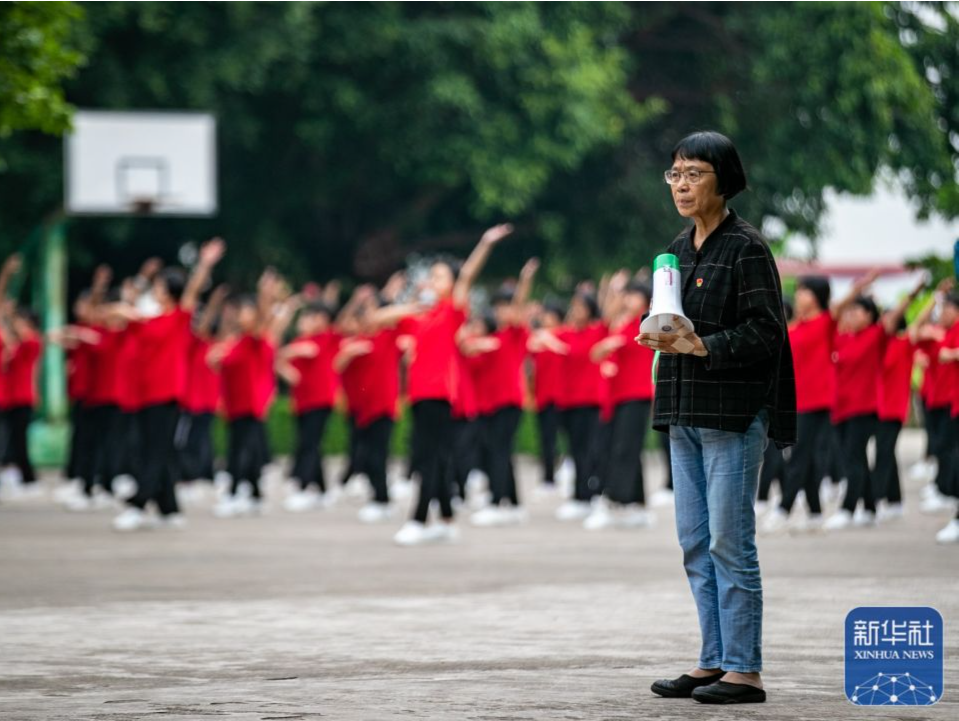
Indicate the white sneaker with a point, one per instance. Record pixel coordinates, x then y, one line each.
79 504
514 515
488 517
838 521
225 507
246 505
949 534
889 512
124 487
573 511
774 522
760 507
401 489
938 503
375 512
172 522
332 496
662 497
442 533
930 489
638 518
600 517
357 487
413 533
11 477
863 518
103 501
302 501
132 519
68 491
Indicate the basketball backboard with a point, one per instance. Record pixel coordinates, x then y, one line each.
129 163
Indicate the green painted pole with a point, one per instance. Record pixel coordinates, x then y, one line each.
48 436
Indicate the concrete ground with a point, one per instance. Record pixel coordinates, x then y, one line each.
317 616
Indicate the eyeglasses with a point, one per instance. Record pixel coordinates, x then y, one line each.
693 176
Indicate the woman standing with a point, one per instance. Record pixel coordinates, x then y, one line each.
720 390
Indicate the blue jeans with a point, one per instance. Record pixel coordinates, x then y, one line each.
715 480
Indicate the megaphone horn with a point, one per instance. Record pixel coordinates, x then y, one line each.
666 310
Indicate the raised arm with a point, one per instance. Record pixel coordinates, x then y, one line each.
915 328
525 285
211 310
858 286
210 254
474 264
890 320
11 266
101 282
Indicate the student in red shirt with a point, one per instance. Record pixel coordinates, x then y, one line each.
500 392
432 382
368 363
547 379
947 477
201 397
103 399
307 365
812 337
75 339
162 344
860 348
630 393
895 391
580 397
22 350
244 361
473 340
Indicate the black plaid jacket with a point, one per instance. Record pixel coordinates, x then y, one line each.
733 296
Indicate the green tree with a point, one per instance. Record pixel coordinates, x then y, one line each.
354 134
37 54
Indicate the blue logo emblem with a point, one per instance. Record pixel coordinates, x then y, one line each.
893 656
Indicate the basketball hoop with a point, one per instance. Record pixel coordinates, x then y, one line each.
141 163
142 206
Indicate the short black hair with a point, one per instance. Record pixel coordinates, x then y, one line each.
818 285
554 306
868 305
317 307
27 314
638 286
717 150
238 300
175 280
590 301
503 296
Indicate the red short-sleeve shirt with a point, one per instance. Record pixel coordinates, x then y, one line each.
895 381
432 374
21 374
203 382
372 381
858 364
581 380
318 381
634 376
241 378
813 343
163 348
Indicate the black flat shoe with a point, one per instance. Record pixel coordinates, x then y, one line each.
725 692
683 686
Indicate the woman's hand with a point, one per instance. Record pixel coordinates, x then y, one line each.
683 341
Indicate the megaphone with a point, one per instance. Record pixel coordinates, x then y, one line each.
666 310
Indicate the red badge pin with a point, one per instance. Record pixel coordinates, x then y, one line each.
699 282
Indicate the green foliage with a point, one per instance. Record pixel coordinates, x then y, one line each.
37 54
352 135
